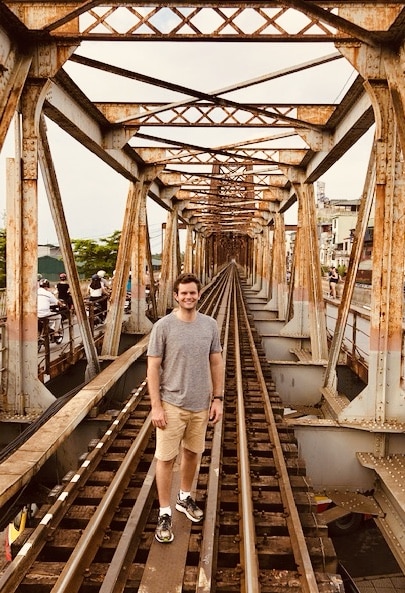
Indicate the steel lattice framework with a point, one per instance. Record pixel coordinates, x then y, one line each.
229 160
264 21
292 126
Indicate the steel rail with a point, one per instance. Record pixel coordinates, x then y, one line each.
118 566
248 540
206 567
72 574
212 299
18 567
117 573
299 545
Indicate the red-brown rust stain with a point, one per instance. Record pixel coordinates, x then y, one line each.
301 294
138 291
26 331
372 20
392 344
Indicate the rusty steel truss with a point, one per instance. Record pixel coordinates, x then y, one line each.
228 163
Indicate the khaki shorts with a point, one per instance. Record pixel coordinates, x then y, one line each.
183 426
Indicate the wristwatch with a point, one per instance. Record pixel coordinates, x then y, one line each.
220 397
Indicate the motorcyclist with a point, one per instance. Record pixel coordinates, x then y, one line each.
47 300
64 291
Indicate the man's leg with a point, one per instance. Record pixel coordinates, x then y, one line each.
185 503
164 473
188 465
55 322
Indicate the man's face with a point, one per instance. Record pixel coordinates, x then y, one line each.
187 296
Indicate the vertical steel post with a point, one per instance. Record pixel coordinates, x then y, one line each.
279 293
309 308
26 394
382 400
169 270
188 253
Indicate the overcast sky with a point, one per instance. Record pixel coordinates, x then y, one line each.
94 196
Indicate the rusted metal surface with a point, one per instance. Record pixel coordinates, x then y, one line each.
56 206
319 22
390 498
355 255
233 202
219 188
88 536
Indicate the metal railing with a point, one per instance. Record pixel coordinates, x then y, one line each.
356 340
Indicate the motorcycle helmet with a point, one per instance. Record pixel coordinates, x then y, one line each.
63 276
101 273
44 283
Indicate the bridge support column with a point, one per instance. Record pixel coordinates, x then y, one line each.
309 310
170 263
267 263
199 255
248 257
132 257
278 283
382 401
25 393
210 258
212 253
188 252
259 252
141 262
203 260
253 267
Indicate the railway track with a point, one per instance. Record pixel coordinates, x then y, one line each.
260 532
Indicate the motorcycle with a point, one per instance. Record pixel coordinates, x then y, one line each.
96 310
45 329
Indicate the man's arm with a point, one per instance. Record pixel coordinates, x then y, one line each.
217 373
217 377
153 377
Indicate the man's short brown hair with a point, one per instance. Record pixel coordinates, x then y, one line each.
186 278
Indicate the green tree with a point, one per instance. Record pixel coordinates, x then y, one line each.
91 256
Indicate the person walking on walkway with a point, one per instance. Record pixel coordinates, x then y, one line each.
185 381
333 280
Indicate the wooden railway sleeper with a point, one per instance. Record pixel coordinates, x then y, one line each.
15 570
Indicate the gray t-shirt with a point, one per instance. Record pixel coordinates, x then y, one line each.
185 347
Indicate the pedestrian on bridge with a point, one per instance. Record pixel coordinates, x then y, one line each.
333 280
185 382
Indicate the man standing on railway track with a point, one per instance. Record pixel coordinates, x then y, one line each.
186 383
